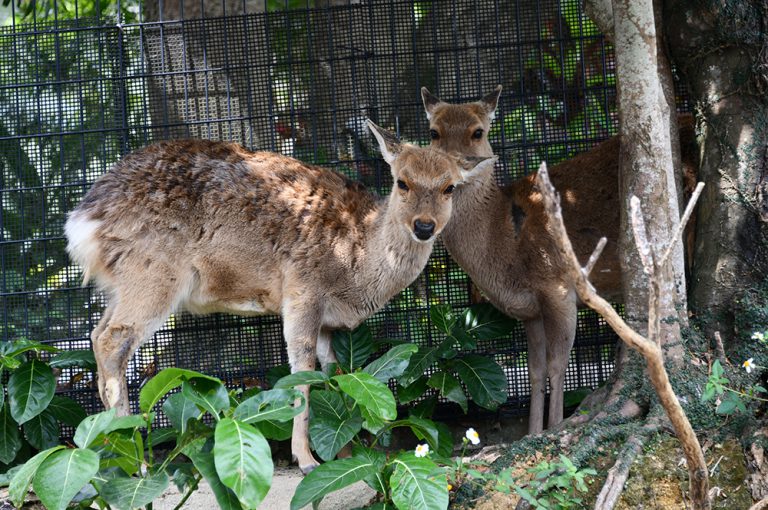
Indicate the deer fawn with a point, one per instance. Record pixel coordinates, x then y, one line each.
209 226
501 238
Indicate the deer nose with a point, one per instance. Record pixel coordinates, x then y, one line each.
423 229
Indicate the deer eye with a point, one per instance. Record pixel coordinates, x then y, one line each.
478 134
449 189
402 185
434 134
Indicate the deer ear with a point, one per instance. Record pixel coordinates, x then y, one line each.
490 101
430 102
389 145
473 166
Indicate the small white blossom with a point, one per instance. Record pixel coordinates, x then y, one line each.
472 435
748 365
422 450
758 335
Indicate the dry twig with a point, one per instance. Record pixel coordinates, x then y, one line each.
648 347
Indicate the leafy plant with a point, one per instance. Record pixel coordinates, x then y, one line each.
483 378
222 435
30 414
555 485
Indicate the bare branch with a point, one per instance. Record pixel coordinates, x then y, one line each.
719 349
760 505
641 236
683 221
595 255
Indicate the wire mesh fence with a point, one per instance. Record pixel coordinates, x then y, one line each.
84 82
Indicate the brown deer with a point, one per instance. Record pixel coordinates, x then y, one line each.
500 236
209 226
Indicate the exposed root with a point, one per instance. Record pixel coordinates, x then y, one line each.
760 505
617 475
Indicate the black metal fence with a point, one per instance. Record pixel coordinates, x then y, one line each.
83 82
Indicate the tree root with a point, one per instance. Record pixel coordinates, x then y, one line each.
760 505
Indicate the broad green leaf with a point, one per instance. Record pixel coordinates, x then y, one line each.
327 404
329 434
130 493
243 460
443 317
67 359
369 392
165 380
128 422
66 410
393 363
330 477
449 387
10 440
62 474
204 462
423 359
353 348
485 322
484 379
179 409
376 481
92 426
275 430
273 405
371 422
425 408
163 435
410 393
19 485
274 374
30 390
301 378
445 439
414 485
210 395
13 349
129 447
42 430
423 429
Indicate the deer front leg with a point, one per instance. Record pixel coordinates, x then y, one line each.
301 326
537 372
560 327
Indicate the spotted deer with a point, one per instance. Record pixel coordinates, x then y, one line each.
208 226
501 237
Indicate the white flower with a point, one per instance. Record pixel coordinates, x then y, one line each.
422 450
748 365
472 435
758 335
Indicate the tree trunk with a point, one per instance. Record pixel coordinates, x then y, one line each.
720 47
646 168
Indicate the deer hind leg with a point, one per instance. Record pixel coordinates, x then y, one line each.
301 327
325 353
537 372
560 326
133 316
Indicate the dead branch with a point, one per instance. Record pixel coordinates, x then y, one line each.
648 348
719 349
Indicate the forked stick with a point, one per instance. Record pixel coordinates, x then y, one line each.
648 347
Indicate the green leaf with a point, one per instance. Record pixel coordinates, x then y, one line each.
30 390
331 430
423 359
301 378
330 477
42 431
66 410
423 429
129 446
443 318
449 387
19 485
414 486
272 405
410 393
484 379
166 380
243 460
328 404
92 426
130 493
179 409
371 422
205 464
485 322
18 347
210 395
10 440
62 474
445 439
275 430
717 369
68 359
353 348
377 480
392 364
369 392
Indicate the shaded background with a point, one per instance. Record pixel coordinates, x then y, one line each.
83 82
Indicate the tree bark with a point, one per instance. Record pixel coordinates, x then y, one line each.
721 49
